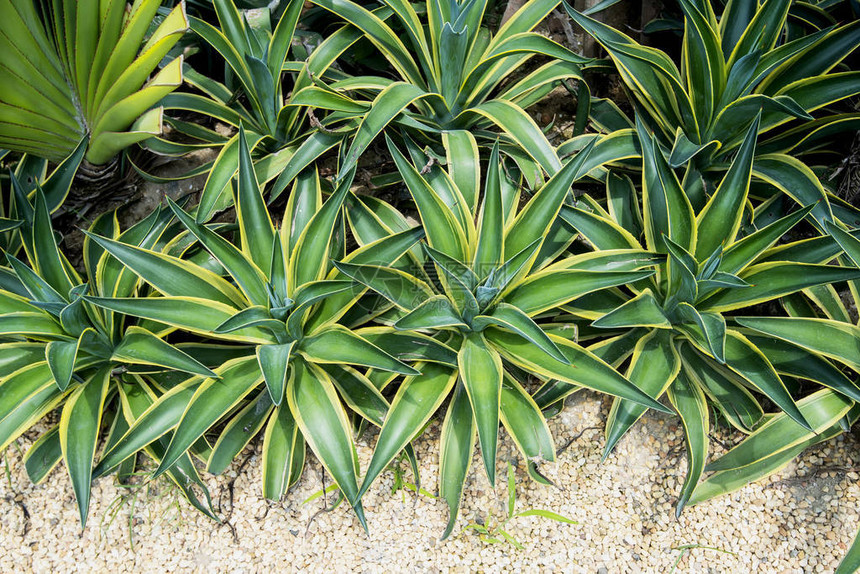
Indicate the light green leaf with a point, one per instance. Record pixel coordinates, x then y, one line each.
44 455
337 344
170 275
746 360
282 443
402 289
546 514
555 287
641 311
510 317
689 400
833 339
220 396
61 356
434 313
526 425
653 367
241 429
317 409
156 420
417 399
141 347
456 445
481 373
274 361
720 219
79 433
583 368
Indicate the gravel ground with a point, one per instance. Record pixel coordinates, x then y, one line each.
799 520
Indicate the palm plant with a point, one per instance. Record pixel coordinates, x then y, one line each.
98 367
287 367
76 70
680 324
732 68
489 291
452 76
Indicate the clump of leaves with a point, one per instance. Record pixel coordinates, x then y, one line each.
494 532
734 67
451 76
287 362
480 294
260 78
28 173
100 368
679 328
818 331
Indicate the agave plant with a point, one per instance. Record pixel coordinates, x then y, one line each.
76 70
451 76
256 50
771 447
818 331
732 68
803 17
101 369
680 324
288 365
31 172
488 291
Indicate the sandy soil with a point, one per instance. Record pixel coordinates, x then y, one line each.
799 520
